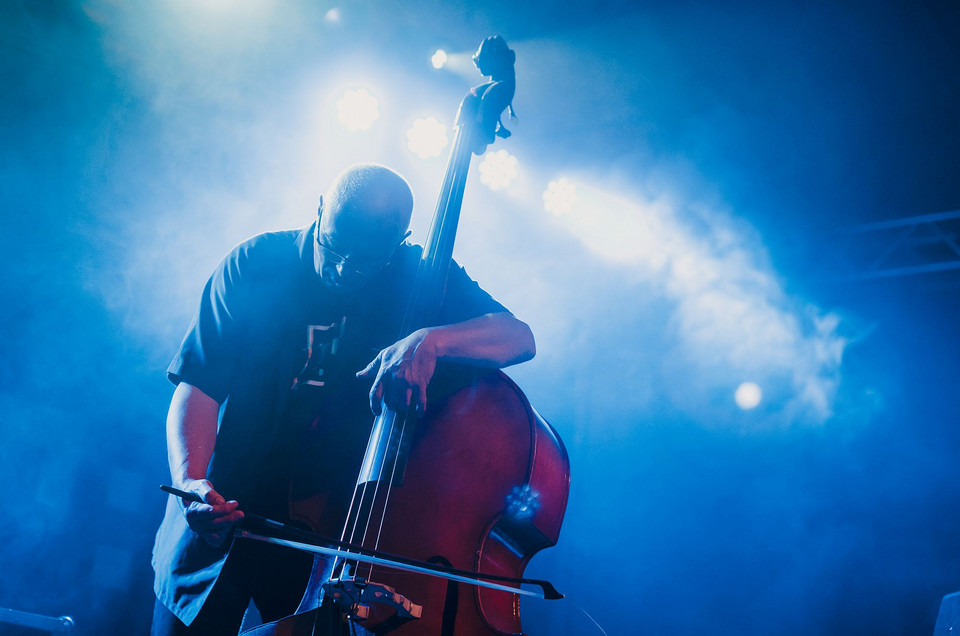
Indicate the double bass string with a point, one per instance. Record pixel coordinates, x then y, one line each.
429 287
376 490
387 416
392 418
457 176
386 500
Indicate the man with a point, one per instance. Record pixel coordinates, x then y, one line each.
268 379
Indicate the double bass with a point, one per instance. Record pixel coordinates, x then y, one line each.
448 508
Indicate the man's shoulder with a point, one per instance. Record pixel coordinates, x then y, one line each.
278 243
266 254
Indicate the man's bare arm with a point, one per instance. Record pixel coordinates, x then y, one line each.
403 370
492 340
191 438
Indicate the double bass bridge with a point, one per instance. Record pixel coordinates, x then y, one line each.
360 600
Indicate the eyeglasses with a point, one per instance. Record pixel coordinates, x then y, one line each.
349 267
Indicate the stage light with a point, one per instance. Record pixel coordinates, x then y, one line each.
748 395
439 58
498 169
560 196
358 109
427 137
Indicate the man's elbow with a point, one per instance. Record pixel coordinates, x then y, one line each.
531 349
526 344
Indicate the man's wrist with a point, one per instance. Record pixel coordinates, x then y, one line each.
434 342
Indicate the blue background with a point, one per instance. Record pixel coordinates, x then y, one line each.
141 141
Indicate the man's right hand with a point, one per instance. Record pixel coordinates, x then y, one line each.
213 520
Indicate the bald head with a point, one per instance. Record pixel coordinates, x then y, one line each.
363 217
367 203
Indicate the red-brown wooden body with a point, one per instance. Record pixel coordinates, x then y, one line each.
474 456
484 489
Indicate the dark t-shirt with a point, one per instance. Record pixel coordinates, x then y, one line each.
245 348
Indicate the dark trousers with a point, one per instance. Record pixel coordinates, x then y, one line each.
273 577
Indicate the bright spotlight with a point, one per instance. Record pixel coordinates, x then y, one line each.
332 16
498 169
560 196
427 137
439 58
748 395
358 109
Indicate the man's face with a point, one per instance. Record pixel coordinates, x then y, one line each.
349 256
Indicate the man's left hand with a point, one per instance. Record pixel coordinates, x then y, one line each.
402 372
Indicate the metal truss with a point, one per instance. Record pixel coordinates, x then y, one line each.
909 246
